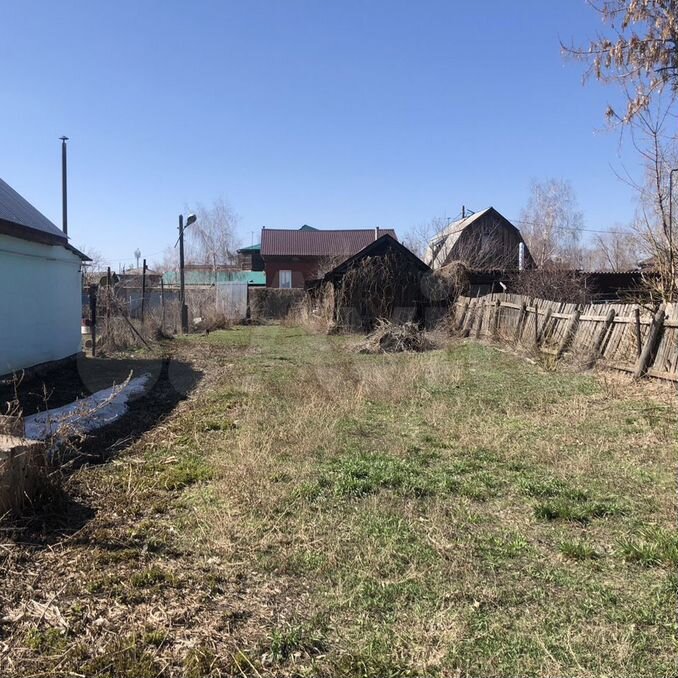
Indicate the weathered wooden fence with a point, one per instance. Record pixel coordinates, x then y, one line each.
627 337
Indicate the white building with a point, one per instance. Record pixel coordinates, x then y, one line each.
40 287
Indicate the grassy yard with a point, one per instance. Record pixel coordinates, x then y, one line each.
310 511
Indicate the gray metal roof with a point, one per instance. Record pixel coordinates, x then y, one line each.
17 210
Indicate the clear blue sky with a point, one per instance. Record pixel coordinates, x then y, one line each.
334 113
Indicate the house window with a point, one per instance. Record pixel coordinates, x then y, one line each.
285 279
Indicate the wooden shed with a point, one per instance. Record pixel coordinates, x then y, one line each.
384 280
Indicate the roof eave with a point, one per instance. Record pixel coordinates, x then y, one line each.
33 235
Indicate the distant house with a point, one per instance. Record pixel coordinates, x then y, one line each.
293 257
249 258
483 241
40 279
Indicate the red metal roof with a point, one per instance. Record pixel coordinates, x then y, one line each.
302 243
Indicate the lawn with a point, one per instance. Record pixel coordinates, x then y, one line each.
311 511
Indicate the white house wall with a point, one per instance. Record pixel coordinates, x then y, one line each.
40 303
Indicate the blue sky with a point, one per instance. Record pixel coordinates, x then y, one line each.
338 114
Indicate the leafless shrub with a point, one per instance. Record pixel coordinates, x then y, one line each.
552 284
272 303
315 312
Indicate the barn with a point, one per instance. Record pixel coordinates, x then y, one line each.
40 283
481 240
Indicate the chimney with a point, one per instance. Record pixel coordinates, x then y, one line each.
376 233
463 212
64 188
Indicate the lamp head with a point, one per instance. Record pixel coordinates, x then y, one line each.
190 219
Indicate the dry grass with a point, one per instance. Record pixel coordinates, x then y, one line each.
316 512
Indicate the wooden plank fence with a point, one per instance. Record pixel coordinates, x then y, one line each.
626 337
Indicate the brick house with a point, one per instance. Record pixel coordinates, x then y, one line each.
293 257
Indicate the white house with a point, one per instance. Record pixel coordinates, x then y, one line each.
40 287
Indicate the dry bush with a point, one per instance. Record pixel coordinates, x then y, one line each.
315 312
211 321
270 303
552 284
390 338
449 282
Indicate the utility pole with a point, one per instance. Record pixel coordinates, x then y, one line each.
64 186
190 219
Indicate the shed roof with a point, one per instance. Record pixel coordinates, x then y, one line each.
378 247
307 243
29 223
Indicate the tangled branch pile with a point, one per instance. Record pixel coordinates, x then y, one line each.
390 338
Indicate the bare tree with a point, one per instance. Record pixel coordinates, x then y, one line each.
210 241
93 268
419 237
551 224
615 251
639 53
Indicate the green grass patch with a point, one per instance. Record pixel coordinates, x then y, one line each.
576 511
652 546
578 550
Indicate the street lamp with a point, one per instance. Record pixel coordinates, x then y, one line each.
190 219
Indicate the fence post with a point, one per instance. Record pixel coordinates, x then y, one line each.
521 316
143 292
536 323
544 326
650 343
480 319
639 342
459 323
162 303
495 320
93 317
570 332
601 336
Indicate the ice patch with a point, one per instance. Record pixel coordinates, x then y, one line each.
87 414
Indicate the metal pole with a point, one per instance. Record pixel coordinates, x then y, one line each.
64 186
182 290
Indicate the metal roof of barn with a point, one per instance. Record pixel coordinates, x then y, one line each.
305 243
16 210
